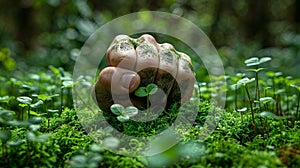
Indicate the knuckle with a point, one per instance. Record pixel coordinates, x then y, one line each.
185 56
145 51
106 75
148 37
167 46
120 37
122 51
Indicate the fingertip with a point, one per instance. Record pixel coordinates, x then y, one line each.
130 81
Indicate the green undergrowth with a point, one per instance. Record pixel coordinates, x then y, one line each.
259 127
232 144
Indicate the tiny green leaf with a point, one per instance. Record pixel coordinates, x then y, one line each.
264 59
45 97
54 69
268 114
244 109
24 100
256 61
122 118
34 76
5 135
117 109
22 105
271 115
67 84
270 74
245 81
95 148
279 91
15 144
4 99
151 88
37 138
52 111
130 111
256 70
141 92
34 127
265 100
296 87
252 61
278 74
6 115
42 137
35 120
111 142
37 104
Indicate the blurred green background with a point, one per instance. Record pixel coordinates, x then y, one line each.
39 33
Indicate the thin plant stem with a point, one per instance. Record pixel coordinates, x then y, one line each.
235 97
48 116
251 108
257 87
262 127
261 121
287 97
22 114
298 104
273 84
61 100
3 149
148 110
28 111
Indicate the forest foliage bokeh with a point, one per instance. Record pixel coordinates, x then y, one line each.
39 33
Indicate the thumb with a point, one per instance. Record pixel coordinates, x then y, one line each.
118 81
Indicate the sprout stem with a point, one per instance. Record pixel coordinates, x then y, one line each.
148 108
297 111
28 111
235 97
61 99
251 107
257 86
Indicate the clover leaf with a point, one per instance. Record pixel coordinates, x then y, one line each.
150 89
117 109
130 111
141 92
245 81
123 114
122 118
256 61
24 100
265 100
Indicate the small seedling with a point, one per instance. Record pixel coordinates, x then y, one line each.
25 101
150 89
242 110
67 84
43 98
123 114
254 61
235 87
244 82
265 101
298 100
